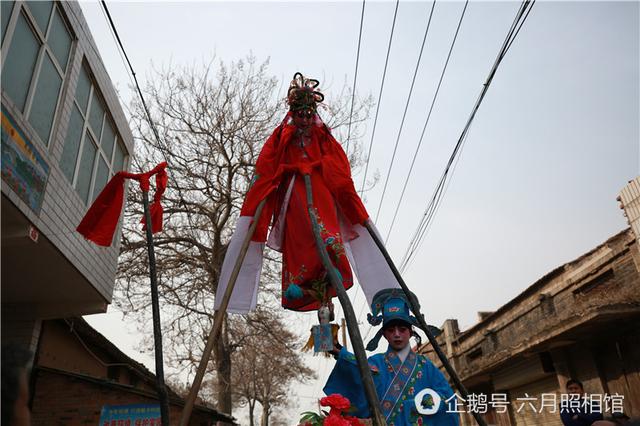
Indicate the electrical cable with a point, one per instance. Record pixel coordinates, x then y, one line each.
438 193
424 128
375 120
146 109
404 114
415 73
355 76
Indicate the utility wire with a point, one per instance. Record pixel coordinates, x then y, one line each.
424 128
415 73
384 75
146 109
432 210
133 73
113 35
437 195
355 76
404 114
375 120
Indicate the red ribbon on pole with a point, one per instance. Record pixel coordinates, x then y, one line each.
100 222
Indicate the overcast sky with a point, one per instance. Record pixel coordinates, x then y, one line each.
554 141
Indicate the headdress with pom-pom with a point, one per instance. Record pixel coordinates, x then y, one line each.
302 94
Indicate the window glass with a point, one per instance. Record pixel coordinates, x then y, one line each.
5 14
41 10
96 114
72 144
102 175
59 40
83 182
45 99
108 137
83 89
18 67
118 158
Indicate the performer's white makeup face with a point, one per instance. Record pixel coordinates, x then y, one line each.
398 336
303 118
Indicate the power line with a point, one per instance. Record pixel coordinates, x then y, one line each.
355 76
424 128
415 73
375 120
133 73
406 108
437 195
432 208
384 75
146 109
113 35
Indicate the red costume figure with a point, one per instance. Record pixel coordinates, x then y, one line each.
301 145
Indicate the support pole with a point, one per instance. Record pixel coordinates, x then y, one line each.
155 309
354 331
415 307
344 333
218 318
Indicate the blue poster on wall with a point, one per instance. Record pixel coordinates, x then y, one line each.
130 415
23 168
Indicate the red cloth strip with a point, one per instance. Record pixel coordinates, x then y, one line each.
100 222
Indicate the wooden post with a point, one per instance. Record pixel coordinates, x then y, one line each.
350 316
163 396
344 333
218 318
414 304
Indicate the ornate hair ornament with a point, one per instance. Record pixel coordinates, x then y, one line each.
302 94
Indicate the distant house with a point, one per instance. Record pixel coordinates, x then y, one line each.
64 134
77 371
581 320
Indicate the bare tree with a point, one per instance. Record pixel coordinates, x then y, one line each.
266 364
212 122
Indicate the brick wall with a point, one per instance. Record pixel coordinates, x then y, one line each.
64 400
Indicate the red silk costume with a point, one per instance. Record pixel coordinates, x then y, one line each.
288 155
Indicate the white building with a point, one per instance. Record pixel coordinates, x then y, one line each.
64 134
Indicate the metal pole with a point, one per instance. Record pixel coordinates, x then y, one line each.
415 307
218 318
155 309
350 316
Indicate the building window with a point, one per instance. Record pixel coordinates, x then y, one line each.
93 152
36 61
5 14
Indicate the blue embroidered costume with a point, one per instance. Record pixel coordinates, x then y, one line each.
397 383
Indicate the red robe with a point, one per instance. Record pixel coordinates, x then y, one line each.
287 155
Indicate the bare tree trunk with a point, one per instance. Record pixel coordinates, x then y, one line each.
252 405
223 370
266 407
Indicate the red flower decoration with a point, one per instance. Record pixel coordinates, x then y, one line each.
335 420
336 401
353 421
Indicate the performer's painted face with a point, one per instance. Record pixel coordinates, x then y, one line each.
397 335
303 118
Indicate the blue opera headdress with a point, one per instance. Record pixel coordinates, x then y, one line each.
388 305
